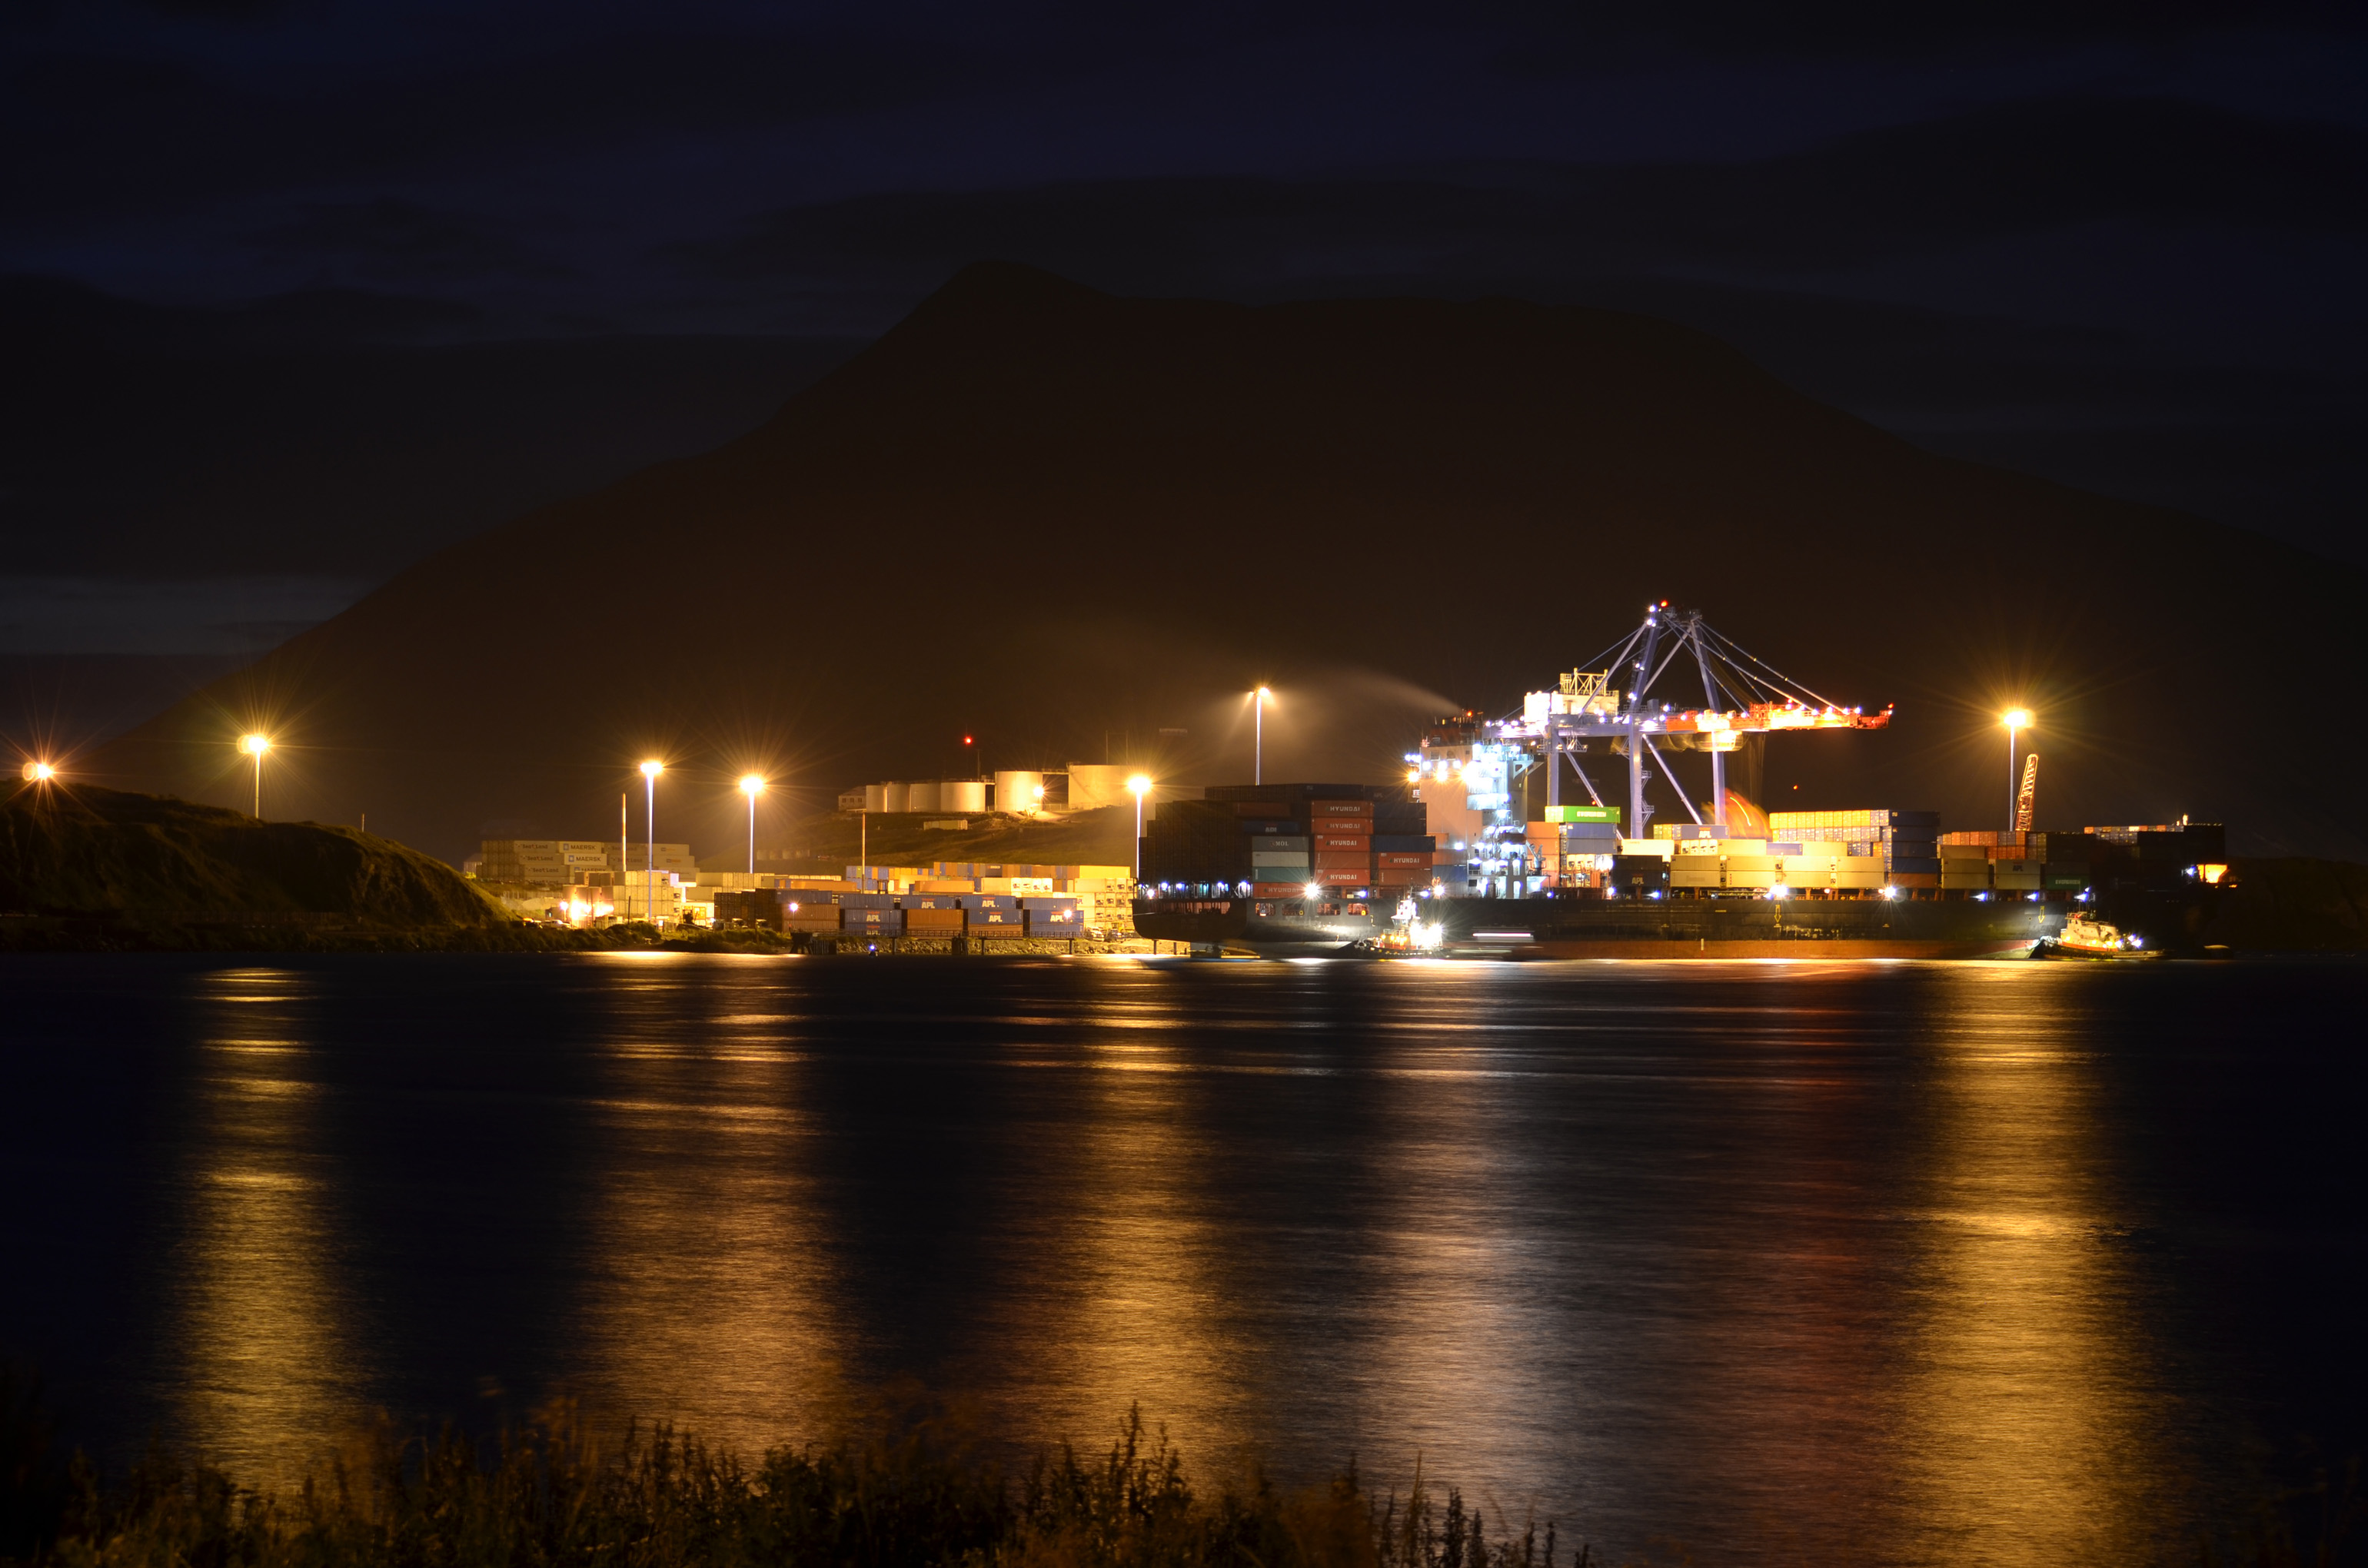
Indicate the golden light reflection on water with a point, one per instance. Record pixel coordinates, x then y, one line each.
2025 1426
1123 1303
260 1326
708 1295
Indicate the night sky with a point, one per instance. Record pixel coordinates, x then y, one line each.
298 292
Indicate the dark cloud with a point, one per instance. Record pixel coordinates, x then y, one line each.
92 131
393 237
2010 170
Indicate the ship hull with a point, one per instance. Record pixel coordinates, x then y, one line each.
1542 928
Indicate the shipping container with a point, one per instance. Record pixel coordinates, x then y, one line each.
1582 814
1406 843
1322 808
1278 890
1341 860
1389 857
1915 879
1361 843
1902 866
1340 877
948 921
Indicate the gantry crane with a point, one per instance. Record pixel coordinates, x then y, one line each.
1741 695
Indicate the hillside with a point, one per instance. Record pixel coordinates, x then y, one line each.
1081 527
90 851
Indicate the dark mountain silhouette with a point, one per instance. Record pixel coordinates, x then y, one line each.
1065 523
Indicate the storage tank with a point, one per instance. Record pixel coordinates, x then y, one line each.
875 797
920 797
1018 790
963 795
894 794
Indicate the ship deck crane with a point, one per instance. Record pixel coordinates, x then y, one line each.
1741 695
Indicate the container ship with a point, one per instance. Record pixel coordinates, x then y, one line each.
1477 853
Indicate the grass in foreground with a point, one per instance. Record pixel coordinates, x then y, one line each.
900 1491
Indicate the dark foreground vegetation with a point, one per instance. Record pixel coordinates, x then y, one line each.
902 1485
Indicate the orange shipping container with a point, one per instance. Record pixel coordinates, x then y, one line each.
1341 809
1916 879
1277 890
1392 858
1341 878
1342 859
933 919
1358 841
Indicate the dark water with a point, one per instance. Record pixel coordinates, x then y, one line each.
2002 1263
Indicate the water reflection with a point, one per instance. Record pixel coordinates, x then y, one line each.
708 1290
1134 1306
270 1363
2029 1396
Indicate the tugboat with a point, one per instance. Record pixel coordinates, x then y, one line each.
2085 937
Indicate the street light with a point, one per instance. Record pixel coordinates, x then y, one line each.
255 746
1141 785
752 786
2014 719
1258 733
650 771
39 773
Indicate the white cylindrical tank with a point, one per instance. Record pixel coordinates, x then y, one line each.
1019 791
875 797
921 796
963 795
894 794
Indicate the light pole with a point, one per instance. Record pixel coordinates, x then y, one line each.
1258 732
2015 718
650 771
1142 786
752 786
255 746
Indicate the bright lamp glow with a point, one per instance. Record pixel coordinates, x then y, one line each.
1140 784
255 745
652 769
751 785
39 773
2017 718
1315 890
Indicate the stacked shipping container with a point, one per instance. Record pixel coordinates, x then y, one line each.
1279 840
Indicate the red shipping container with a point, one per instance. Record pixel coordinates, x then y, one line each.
1342 859
1342 879
1358 841
1391 858
1261 809
1916 879
1277 890
1341 808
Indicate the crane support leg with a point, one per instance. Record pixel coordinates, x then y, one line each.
1554 773
1636 783
1717 785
